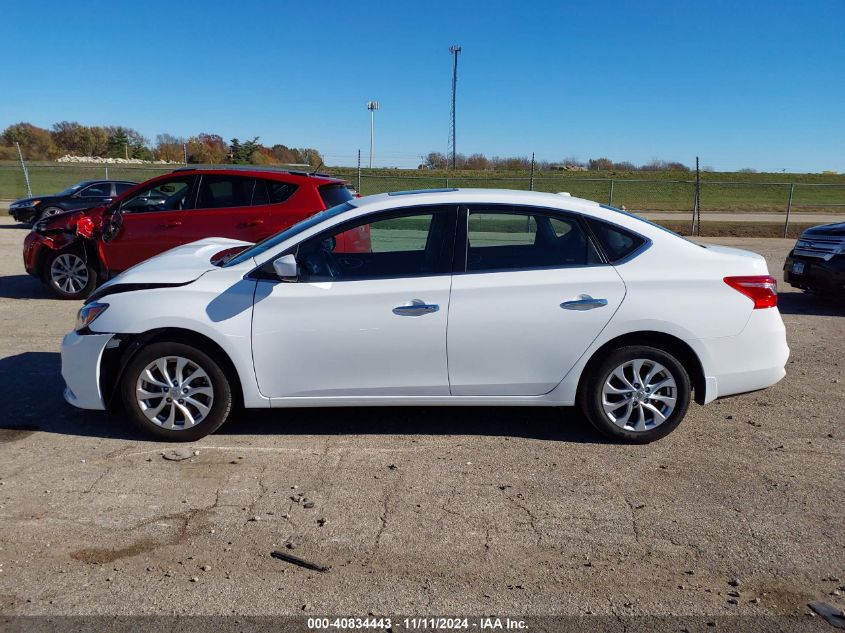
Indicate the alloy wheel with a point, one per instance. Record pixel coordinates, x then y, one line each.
51 211
639 395
69 273
174 393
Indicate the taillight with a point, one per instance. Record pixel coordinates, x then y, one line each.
761 289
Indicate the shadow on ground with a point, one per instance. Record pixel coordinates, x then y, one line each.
811 304
23 287
32 385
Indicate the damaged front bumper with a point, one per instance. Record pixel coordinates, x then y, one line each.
82 356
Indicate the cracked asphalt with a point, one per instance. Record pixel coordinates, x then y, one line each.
421 511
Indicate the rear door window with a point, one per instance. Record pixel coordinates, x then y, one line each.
220 192
524 238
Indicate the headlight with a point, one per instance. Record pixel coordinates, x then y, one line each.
88 314
18 205
40 227
802 243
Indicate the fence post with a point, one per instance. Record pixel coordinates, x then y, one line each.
25 171
531 179
107 172
788 209
610 199
359 172
696 207
447 182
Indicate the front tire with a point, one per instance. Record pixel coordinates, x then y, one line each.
48 212
636 394
68 275
175 392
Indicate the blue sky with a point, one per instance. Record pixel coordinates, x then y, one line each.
741 84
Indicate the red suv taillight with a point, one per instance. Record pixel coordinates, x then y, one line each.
761 289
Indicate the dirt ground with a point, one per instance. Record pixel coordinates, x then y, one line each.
422 511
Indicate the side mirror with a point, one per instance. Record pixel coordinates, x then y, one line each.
286 268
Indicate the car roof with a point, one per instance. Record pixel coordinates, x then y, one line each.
473 196
263 172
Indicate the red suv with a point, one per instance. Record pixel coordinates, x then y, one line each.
75 251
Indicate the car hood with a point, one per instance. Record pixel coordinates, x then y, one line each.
179 265
34 198
826 230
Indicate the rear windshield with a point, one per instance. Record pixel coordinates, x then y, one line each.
333 195
278 238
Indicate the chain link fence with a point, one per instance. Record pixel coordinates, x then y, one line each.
676 197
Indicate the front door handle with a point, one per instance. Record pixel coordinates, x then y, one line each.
417 307
583 302
253 223
172 224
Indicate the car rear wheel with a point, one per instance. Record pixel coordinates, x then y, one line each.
69 276
636 394
176 392
49 212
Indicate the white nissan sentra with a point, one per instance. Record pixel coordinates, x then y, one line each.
441 297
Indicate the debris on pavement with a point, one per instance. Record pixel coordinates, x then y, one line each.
301 562
178 454
831 614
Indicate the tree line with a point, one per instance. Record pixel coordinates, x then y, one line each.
73 138
437 160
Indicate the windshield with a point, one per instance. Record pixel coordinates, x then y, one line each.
278 238
73 189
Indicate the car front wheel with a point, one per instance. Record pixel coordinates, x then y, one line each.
69 275
175 392
636 394
49 212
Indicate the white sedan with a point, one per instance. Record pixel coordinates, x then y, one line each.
441 297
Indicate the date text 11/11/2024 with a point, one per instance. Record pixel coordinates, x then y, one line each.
417 623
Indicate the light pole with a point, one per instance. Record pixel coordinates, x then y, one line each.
455 51
372 106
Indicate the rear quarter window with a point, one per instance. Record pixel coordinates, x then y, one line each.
273 192
616 242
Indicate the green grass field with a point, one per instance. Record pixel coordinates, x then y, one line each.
640 191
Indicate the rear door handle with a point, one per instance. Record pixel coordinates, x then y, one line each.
172 224
584 302
253 223
417 307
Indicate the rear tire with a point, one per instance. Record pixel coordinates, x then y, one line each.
68 275
636 394
175 392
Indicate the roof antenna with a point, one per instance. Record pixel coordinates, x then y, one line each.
316 169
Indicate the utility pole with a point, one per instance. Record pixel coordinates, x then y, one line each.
455 51
372 106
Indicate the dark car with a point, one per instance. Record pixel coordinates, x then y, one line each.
82 195
817 262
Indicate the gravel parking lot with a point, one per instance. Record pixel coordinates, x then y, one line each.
422 511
